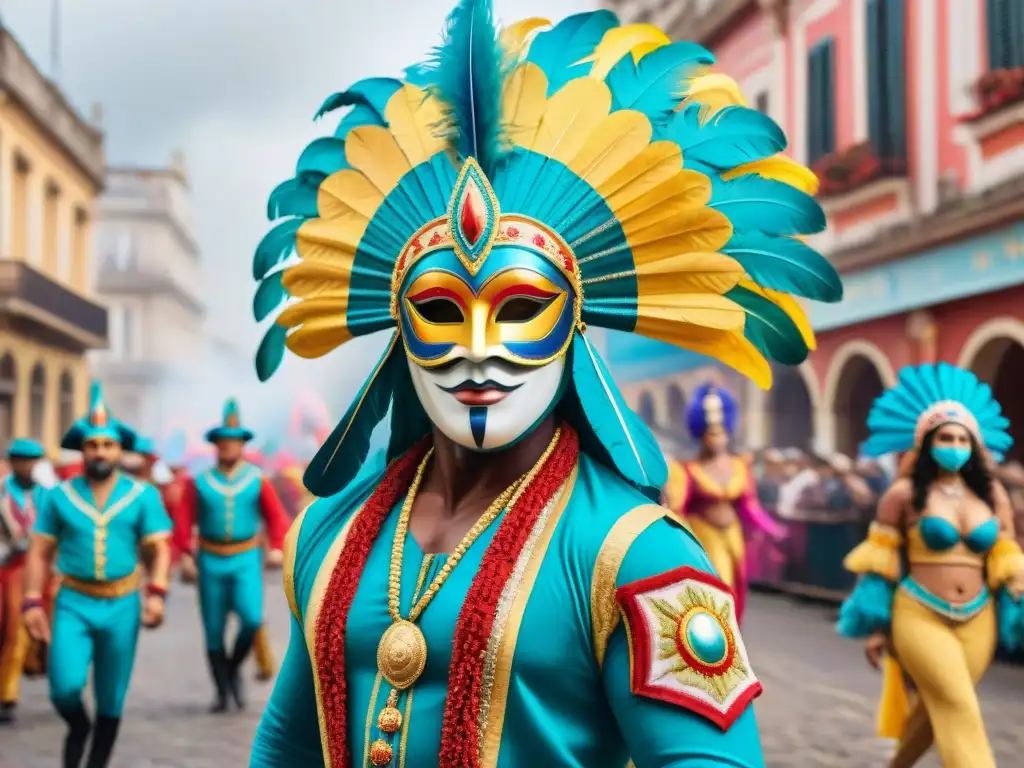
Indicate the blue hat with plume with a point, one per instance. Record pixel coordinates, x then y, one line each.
710 405
230 427
926 397
25 448
610 154
98 422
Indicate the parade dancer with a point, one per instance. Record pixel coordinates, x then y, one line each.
95 527
504 591
941 572
20 497
717 493
227 504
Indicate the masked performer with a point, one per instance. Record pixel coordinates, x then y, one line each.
95 526
719 493
940 571
505 591
19 502
228 504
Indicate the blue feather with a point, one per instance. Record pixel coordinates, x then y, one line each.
357 117
558 51
756 204
733 136
323 156
652 85
769 328
373 92
341 456
410 422
294 197
271 351
467 73
276 246
418 75
269 296
785 264
630 444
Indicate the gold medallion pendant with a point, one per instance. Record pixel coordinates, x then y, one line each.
402 654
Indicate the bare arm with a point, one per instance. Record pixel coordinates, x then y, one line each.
1003 509
38 565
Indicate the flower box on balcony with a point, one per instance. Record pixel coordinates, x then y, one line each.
995 90
852 168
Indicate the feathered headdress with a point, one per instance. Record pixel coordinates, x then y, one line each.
610 151
230 427
710 405
98 422
928 396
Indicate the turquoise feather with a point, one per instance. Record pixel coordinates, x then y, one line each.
466 74
373 92
269 296
630 444
769 328
558 51
357 117
276 246
732 137
294 197
756 204
341 456
271 351
651 86
322 156
785 264
409 423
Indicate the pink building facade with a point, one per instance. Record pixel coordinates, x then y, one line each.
912 114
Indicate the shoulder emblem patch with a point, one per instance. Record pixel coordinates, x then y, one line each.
685 646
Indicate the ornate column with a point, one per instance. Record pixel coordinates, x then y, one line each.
923 332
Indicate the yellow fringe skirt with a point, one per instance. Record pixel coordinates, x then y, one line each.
724 547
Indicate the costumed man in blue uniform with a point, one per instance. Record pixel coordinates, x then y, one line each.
505 592
95 527
20 498
228 504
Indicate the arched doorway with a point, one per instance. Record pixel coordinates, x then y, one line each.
1000 364
790 412
8 390
645 410
37 402
676 402
67 400
859 384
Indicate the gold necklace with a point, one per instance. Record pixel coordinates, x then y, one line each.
402 651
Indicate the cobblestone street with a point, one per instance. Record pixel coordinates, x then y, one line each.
818 708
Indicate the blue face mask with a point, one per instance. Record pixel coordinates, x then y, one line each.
950 458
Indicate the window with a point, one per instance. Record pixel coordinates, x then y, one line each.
67 400
19 207
676 405
761 102
8 391
79 241
124 255
821 123
37 402
128 332
51 227
646 408
887 102
1005 33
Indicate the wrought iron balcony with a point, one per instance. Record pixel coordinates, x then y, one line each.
65 317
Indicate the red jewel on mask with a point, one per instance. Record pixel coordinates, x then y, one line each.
471 218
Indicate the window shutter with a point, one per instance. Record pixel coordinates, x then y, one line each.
814 134
828 101
895 77
876 78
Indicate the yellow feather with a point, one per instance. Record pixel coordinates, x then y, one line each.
323 240
678 218
790 306
303 311
372 150
657 163
714 91
780 168
316 278
687 188
728 347
708 310
411 116
318 336
688 273
347 194
515 37
635 39
570 116
614 143
523 102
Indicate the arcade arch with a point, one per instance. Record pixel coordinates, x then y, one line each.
859 373
995 353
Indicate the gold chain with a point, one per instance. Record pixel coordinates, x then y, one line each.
509 495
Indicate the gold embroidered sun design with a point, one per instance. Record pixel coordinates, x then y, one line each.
695 632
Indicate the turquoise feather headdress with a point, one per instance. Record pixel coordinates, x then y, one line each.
643 176
928 396
98 422
230 427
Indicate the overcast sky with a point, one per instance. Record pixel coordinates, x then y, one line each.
234 84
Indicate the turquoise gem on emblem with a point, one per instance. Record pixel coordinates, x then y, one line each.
706 638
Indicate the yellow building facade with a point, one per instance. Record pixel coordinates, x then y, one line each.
51 171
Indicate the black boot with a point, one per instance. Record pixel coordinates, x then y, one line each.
78 734
103 738
7 710
243 645
219 670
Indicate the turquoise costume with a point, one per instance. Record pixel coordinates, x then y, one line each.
229 511
492 205
97 611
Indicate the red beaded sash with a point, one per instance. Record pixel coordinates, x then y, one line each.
460 737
